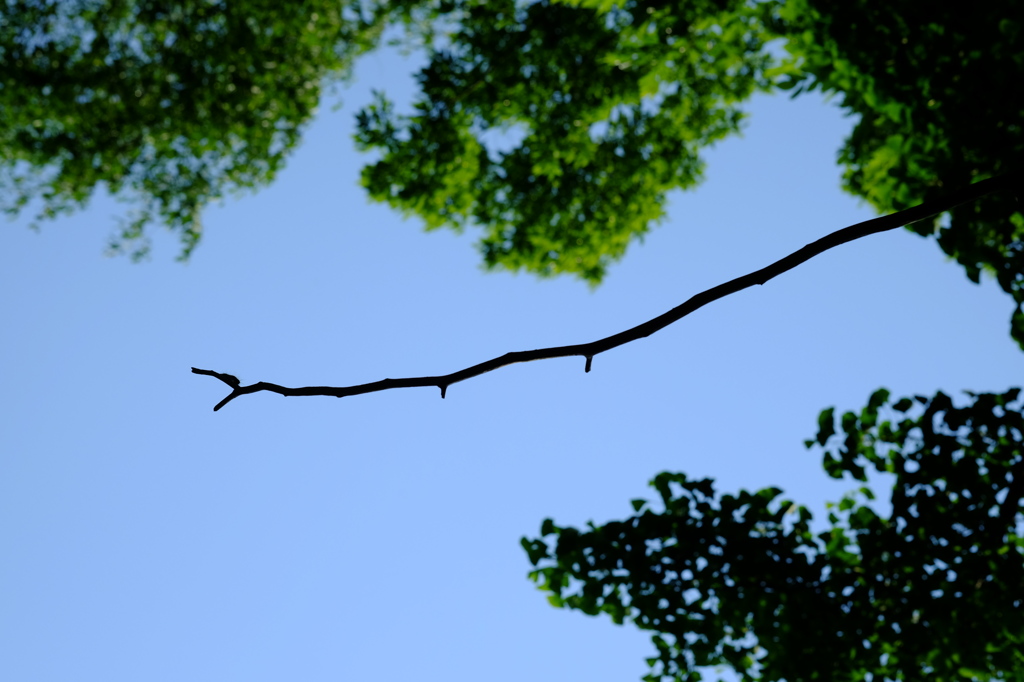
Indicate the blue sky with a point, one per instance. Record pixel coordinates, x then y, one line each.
146 537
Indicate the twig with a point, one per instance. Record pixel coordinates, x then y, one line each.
589 350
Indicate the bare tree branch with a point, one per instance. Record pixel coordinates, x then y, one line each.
924 211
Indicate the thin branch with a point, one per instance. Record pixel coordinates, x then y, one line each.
915 214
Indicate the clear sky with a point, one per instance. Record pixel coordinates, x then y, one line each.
145 537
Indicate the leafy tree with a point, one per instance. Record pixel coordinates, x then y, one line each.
934 90
605 107
608 105
167 104
557 128
608 110
932 590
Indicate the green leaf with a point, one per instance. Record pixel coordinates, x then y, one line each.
826 425
536 550
741 566
903 404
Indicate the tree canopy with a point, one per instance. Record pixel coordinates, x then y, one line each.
929 590
557 129
933 89
168 105
605 108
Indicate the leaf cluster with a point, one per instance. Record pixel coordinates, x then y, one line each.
935 93
931 590
167 104
555 127
558 128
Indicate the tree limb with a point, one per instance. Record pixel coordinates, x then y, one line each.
915 214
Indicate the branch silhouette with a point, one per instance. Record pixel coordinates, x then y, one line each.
892 221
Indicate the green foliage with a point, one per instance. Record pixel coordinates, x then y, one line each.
168 104
559 128
555 127
936 94
930 591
